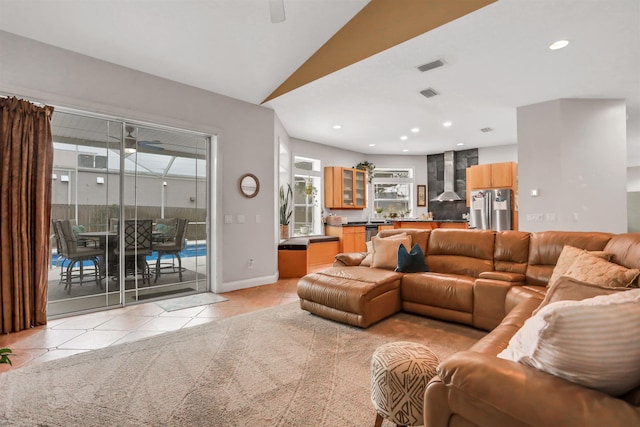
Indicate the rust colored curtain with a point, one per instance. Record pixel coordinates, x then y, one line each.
26 161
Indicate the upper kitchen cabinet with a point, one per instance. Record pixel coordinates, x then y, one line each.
493 175
345 188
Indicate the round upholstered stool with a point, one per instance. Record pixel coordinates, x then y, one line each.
400 372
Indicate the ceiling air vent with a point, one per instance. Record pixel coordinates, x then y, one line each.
485 130
429 92
430 65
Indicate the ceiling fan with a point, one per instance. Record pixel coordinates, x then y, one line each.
131 144
277 11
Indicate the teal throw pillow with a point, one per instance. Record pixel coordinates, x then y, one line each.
411 262
77 229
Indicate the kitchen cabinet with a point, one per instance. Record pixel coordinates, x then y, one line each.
492 175
345 188
352 238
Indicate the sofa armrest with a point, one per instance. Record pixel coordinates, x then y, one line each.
503 275
489 298
349 259
490 391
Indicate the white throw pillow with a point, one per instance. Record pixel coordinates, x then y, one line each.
593 342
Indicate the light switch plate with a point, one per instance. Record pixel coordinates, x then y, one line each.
228 219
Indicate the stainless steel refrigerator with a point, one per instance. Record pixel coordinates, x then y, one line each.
490 209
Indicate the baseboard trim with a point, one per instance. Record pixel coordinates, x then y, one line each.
248 283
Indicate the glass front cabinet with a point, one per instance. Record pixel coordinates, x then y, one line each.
345 188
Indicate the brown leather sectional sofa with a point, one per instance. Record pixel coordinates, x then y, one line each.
492 281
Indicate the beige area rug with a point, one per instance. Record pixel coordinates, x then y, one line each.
275 367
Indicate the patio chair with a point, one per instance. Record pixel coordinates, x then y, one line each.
172 247
137 246
75 256
165 229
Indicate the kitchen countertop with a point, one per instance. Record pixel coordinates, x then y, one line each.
430 220
391 221
360 224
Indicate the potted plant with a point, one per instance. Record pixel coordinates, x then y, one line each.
309 190
366 166
286 198
378 211
4 355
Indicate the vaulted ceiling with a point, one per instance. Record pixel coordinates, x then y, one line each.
494 59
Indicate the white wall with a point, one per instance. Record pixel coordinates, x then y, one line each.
245 139
633 178
573 151
498 154
332 156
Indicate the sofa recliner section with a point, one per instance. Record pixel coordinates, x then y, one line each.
474 387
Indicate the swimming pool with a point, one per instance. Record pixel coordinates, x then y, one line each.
191 250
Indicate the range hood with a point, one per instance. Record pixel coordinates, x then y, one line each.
449 193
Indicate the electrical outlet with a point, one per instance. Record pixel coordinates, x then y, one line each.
250 262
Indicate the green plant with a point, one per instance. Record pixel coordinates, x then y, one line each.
310 190
367 166
285 204
379 209
4 355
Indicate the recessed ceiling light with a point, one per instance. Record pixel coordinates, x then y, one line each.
415 130
447 124
405 150
558 44
404 137
460 143
372 145
337 127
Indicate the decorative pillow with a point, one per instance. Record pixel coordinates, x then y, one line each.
592 269
77 229
567 257
593 342
385 250
367 259
569 289
411 262
366 262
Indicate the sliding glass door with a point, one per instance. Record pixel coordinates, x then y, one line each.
135 195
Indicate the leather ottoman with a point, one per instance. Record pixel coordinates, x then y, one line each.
358 296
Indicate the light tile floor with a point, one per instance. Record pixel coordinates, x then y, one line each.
64 337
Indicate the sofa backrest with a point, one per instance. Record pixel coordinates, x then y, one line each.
511 251
466 252
625 250
418 236
545 248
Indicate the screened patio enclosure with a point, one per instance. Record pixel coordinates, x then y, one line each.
110 177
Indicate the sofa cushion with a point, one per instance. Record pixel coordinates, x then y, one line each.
590 268
570 289
411 261
418 236
593 342
366 262
625 249
347 288
511 251
461 252
545 249
567 257
447 291
385 250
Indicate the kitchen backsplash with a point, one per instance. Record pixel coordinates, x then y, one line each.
435 183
